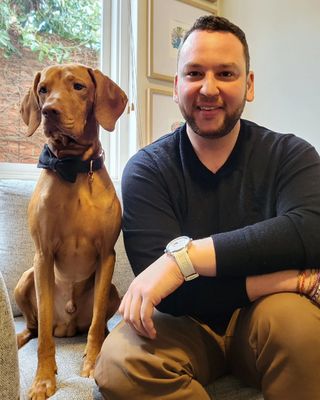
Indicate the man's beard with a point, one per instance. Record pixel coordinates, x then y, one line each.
226 127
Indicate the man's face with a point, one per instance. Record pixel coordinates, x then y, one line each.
212 86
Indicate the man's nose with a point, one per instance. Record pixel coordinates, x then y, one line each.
210 86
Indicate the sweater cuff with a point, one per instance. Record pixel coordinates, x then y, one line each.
230 262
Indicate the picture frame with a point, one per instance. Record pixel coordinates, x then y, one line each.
168 116
168 20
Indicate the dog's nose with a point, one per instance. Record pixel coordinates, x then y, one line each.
50 111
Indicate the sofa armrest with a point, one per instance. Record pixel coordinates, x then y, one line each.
9 370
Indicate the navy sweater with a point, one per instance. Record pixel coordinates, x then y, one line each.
262 209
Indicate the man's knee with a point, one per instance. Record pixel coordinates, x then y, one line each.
273 341
130 364
286 322
110 373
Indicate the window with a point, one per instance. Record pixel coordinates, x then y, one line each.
118 63
24 51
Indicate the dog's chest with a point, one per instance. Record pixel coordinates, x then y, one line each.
72 207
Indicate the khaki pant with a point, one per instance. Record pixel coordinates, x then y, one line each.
274 345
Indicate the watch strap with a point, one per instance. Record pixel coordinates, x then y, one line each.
185 265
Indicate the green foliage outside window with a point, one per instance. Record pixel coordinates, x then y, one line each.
52 28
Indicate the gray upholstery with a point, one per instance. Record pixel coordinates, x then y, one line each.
16 254
16 246
9 372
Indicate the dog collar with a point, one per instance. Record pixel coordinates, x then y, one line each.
69 167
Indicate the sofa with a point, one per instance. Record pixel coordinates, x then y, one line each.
17 369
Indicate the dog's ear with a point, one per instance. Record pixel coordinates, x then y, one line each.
30 108
110 100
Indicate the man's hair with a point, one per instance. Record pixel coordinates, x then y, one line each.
213 23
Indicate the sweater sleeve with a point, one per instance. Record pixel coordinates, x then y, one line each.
150 221
291 238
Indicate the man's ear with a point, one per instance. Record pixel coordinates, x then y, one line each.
110 100
30 108
175 89
250 86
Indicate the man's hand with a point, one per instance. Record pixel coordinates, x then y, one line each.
146 291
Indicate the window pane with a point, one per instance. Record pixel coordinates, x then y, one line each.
35 34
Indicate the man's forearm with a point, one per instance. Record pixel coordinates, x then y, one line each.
202 255
276 282
304 282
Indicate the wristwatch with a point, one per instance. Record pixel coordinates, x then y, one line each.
178 248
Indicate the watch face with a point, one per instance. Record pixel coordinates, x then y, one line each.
178 243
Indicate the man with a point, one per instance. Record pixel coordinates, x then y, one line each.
232 299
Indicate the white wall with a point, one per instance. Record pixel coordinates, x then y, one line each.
143 81
284 42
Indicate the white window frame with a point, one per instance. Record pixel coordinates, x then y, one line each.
117 37
116 62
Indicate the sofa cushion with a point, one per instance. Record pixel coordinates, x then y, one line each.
9 374
123 274
69 358
16 246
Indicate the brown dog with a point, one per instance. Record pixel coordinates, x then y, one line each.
74 217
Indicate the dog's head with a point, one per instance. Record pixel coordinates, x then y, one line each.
71 99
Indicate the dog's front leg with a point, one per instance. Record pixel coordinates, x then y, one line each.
44 383
96 333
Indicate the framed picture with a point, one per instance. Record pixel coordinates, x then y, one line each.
163 114
168 21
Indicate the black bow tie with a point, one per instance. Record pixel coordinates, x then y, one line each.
67 167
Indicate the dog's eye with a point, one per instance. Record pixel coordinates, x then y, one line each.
43 89
78 86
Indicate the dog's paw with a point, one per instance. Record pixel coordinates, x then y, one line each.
89 357
88 368
42 387
24 337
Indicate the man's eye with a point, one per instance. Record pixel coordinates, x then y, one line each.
226 74
193 73
78 86
43 89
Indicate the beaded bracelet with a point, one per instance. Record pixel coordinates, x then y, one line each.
316 296
311 281
300 282
315 293
315 283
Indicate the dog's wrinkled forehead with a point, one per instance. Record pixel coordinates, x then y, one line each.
71 74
